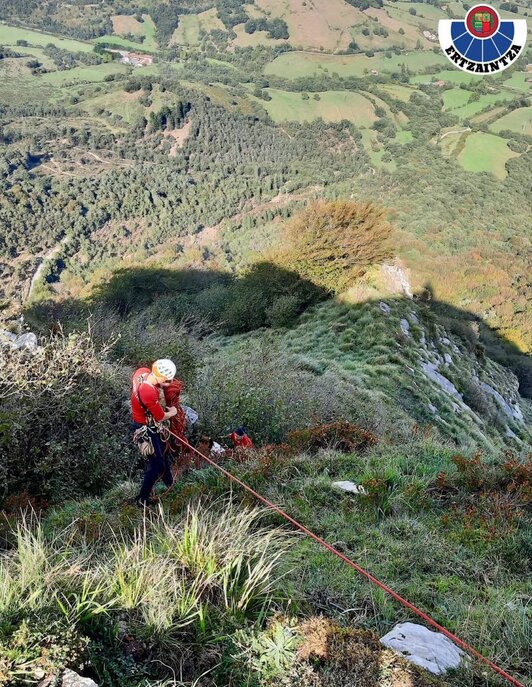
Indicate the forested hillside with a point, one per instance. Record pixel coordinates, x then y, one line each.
327 227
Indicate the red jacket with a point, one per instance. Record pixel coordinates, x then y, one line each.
148 394
241 441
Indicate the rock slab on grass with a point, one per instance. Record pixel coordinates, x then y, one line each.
350 487
72 679
426 649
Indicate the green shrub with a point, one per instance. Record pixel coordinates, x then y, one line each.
267 295
64 428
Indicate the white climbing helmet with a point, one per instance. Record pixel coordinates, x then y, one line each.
164 369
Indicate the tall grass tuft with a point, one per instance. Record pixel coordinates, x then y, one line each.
174 586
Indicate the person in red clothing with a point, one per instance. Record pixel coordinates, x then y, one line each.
240 439
147 410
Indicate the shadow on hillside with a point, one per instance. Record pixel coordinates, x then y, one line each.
265 296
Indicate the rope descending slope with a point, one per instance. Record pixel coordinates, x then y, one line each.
460 642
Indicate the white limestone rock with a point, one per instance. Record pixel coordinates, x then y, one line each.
384 307
27 341
511 410
72 679
350 487
398 280
405 327
426 649
431 370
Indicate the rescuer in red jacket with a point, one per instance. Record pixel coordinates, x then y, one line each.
146 410
240 439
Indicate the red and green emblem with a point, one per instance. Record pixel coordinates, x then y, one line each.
482 21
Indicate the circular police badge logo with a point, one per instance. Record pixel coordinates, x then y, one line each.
482 43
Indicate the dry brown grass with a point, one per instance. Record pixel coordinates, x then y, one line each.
349 656
123 24
318 23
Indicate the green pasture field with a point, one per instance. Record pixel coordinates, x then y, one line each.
333 106
422 10
18 88
457 9
149 35
404 136
519 120
190 26
9 35
518 80
486 153
452 144
450 75
126 105
96 72
188 31
148 45
145 29
120 42
38 53
297 64
454 98
397 91
488 116
220 63
487 100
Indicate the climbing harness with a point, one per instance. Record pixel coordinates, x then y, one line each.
460 642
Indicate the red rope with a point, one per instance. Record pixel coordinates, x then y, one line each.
360 570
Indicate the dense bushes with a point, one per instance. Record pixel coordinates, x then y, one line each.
64 426
265 295
341 435
277 28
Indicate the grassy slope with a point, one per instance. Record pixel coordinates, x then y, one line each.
486 153
147 30
406 538
368 349
300 64
10 34
333 106
519 120
83 74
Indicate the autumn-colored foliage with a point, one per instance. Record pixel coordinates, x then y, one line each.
333 243
494 499
341 435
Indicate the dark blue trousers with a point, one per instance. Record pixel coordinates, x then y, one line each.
157 466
